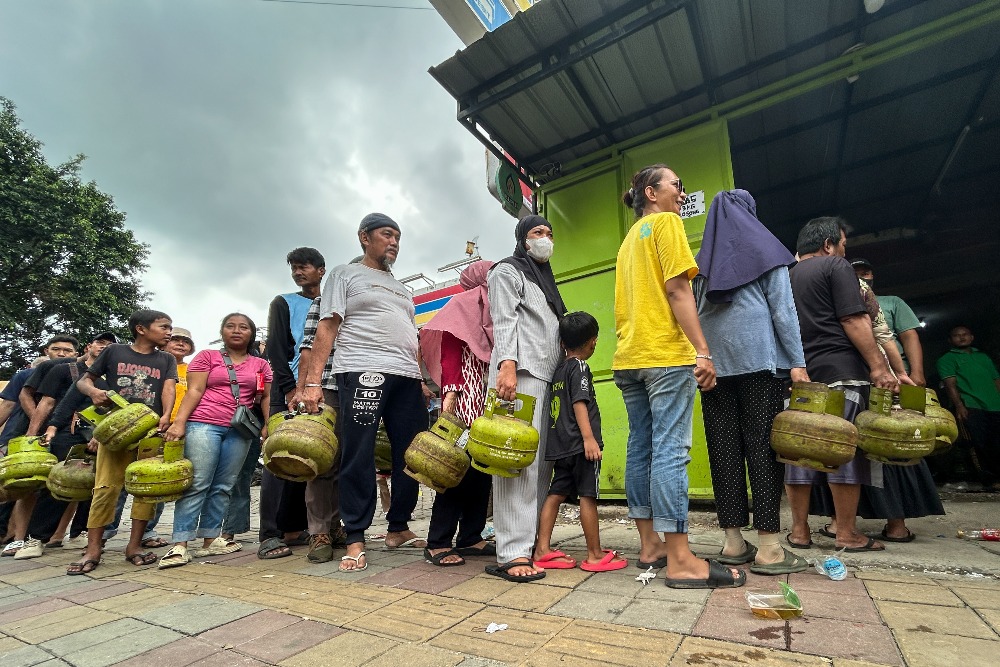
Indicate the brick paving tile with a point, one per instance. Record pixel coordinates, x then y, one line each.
8 644
96 593
810 580
108 653
925 649
908 617
585 643
395 559
898 576
38 629
660 615
27 576
393 577
739 625
228 659
53 662
590 606
416 618
244 558
565 578
27 609
417 655
17 599
992 617
530 598
526 632
10 566
198 614
434 582
178 653
988 583
342 607
481 588
82 639
619 582
26 656
347 650
831 637
980 598
145 599
714 653
657 590
922 593
288 641
54 586
248 628
830 605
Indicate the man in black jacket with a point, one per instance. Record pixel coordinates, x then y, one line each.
282 503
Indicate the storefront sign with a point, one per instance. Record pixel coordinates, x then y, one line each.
491 13
694 204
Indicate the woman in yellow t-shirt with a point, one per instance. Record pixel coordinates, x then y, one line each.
661 358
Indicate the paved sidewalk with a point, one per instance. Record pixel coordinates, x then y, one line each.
239 610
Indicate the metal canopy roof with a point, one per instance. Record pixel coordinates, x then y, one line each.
910 143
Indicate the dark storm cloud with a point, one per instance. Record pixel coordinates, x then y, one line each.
232 131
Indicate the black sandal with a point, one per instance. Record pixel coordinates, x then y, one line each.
718 577
141 559
489 549
502 570
438 558
273 547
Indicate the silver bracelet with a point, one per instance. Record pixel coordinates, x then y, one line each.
319 385
697 356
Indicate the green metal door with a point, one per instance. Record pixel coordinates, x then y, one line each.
589 223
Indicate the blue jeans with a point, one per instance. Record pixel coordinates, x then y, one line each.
660 407
238 518
217 454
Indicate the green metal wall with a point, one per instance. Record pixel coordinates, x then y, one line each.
589 221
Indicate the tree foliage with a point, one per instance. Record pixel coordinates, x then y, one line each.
67 262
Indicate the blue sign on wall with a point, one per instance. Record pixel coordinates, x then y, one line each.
491 13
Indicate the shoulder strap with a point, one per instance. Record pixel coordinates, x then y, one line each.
234 385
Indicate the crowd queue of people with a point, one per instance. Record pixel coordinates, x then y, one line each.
737 322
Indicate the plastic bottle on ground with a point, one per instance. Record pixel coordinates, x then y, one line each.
988 534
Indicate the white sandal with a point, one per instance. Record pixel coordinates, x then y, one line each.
12 548
357 561
177 555
219 547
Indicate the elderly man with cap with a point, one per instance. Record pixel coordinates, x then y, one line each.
371 316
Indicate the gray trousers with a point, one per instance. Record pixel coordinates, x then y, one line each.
323 492
517 501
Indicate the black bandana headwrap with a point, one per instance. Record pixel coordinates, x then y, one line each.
538 273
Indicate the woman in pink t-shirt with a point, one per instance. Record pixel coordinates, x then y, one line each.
215 448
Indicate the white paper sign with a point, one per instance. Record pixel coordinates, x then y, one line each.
694 204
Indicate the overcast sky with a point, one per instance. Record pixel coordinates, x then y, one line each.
231 131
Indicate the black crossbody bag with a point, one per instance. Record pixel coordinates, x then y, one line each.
244 421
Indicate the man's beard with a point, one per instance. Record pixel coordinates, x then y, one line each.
387 263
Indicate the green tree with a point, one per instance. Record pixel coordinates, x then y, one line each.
67 262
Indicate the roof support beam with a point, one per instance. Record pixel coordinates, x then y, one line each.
945 28
560 57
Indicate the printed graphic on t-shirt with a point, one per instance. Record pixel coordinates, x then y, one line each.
138 383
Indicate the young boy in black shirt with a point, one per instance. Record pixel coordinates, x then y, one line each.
574 443
140 373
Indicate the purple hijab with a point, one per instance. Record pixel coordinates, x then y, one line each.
737 248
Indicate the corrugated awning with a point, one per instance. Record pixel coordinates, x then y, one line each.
886 118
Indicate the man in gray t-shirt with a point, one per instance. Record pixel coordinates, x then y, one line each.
370 314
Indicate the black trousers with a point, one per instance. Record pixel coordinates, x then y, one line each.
738 415
48 511
282 503
398 401
462 508
984 431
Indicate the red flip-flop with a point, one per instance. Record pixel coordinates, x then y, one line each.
607 564
548 562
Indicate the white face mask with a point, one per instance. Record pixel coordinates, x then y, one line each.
540 249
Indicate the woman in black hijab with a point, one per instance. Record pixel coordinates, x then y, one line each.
526 308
